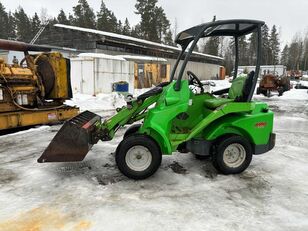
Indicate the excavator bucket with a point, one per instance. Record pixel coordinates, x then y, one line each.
74 140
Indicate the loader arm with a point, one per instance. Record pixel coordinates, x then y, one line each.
134 111
77 136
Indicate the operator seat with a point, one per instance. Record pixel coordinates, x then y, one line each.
238 92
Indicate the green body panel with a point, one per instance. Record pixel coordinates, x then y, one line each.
243 124
179 116
157 122
239 118
214 103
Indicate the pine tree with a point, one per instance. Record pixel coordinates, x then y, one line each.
23 25
285 56
119 29
211 46
83 15
3 22
145 8
252 49
162 23
62 19
274 46
154 24
126 28
243 48
106 20
169 38
304 63
136 31
35 24
11 27
71 19
265 46
229 56
295 52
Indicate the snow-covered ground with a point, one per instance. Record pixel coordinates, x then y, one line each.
185 193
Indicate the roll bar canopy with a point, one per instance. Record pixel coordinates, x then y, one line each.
233 27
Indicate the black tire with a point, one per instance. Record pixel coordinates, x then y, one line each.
131 130
264 92
202 157
137 140
218 156
258 91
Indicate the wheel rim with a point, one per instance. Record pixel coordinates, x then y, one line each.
234 155
138 158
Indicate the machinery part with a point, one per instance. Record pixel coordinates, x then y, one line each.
271 82
23 118
131 130
74 139
233 155
20 46
280 91
179 116
46 73
40 83
138 156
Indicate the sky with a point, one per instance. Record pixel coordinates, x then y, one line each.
290 17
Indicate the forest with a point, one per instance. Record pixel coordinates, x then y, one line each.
155 26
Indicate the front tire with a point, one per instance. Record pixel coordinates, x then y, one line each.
233 155
138 156
131 130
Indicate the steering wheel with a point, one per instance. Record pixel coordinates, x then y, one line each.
194 81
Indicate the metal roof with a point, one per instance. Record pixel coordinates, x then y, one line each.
131 40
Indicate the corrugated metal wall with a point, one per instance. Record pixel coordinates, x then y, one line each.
202 70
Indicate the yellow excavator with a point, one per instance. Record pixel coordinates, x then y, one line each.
33 91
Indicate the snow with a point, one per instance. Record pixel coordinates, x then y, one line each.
101 55
185 193
143 58
100 103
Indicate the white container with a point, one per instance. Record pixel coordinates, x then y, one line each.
94 75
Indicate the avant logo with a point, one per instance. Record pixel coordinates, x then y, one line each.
260 124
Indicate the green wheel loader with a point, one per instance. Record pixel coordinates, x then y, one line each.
225 125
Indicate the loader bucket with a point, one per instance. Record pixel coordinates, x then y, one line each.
74 140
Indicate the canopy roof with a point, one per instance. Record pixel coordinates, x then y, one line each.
233 27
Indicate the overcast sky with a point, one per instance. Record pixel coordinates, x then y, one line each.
291 16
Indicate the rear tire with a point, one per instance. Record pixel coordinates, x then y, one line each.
138 156
233 155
